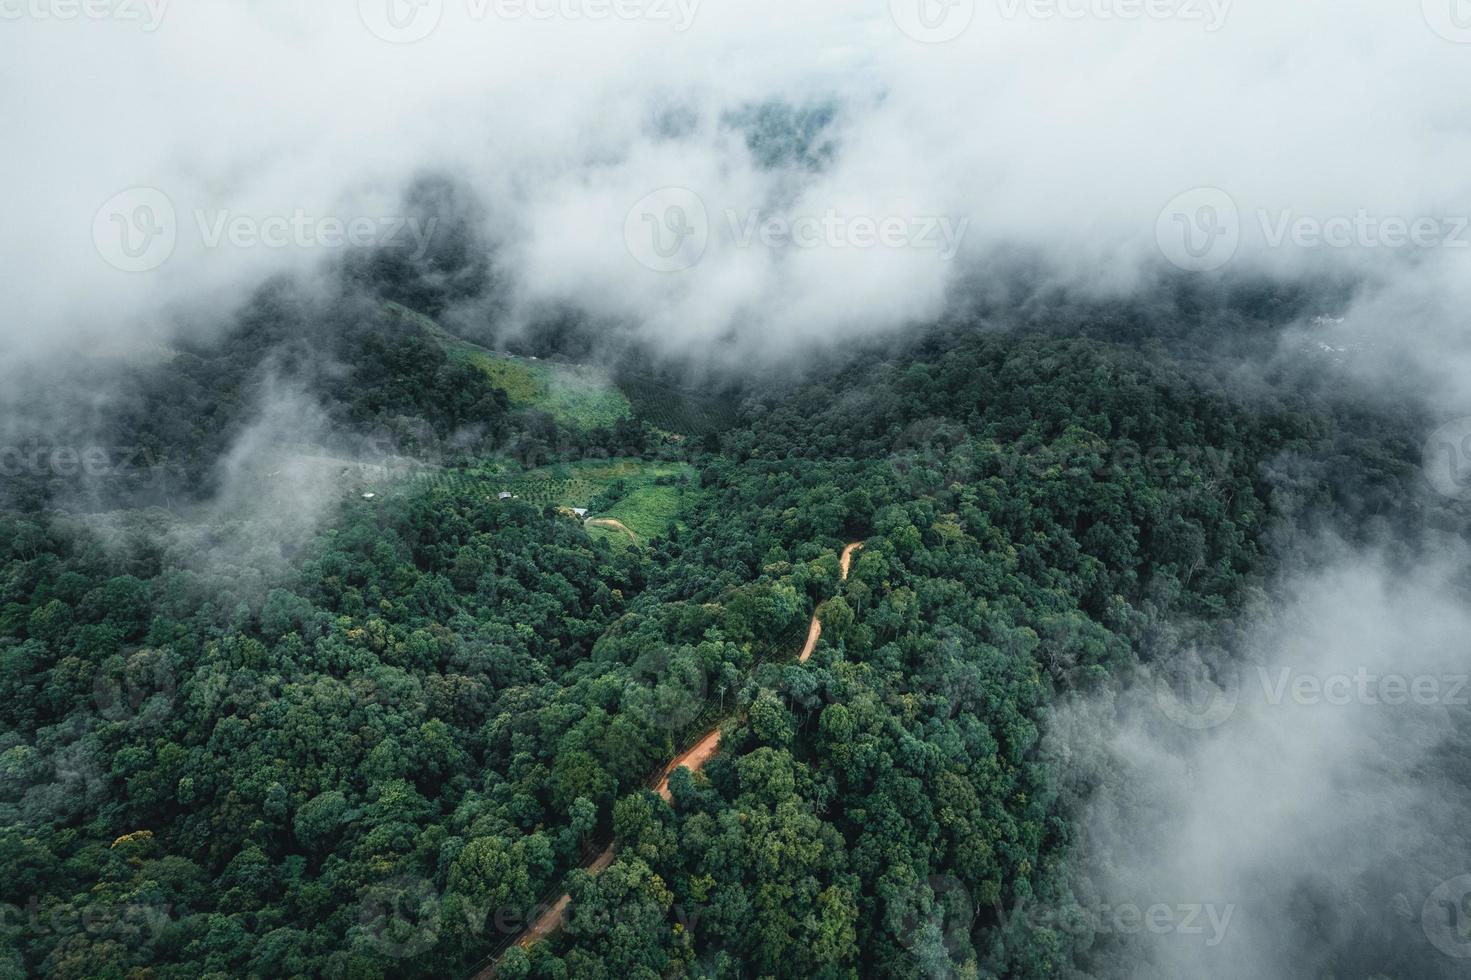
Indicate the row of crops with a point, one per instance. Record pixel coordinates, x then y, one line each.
677 411
569 484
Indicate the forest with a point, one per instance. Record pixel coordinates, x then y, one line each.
388 748
667 490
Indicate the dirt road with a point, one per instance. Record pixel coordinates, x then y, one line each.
613 523
551 920
814 631
693 759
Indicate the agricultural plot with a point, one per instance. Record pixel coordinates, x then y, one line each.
648 511
580 396
677 411
645 497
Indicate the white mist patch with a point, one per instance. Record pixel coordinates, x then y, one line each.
1058 129
1324 823
280 480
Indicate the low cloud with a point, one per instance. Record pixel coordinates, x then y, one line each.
1313 788
1101 139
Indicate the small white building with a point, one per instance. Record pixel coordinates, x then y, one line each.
505 495
580 511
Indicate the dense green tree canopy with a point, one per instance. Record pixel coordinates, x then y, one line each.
387 758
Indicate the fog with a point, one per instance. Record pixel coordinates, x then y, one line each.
1306 808
1069 129
737 183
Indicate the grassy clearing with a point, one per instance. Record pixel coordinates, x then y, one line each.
648 511
522 385
575 395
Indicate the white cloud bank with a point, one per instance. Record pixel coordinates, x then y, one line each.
1317 813
1061 126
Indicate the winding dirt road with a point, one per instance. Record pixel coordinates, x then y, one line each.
693 759
814 631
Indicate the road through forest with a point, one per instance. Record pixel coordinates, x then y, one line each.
693 759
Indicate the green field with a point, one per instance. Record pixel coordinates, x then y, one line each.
647 511
576 395
583 397
579 395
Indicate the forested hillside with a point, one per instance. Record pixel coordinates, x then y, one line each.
383 757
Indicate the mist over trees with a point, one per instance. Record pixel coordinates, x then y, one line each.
379 755
665 490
